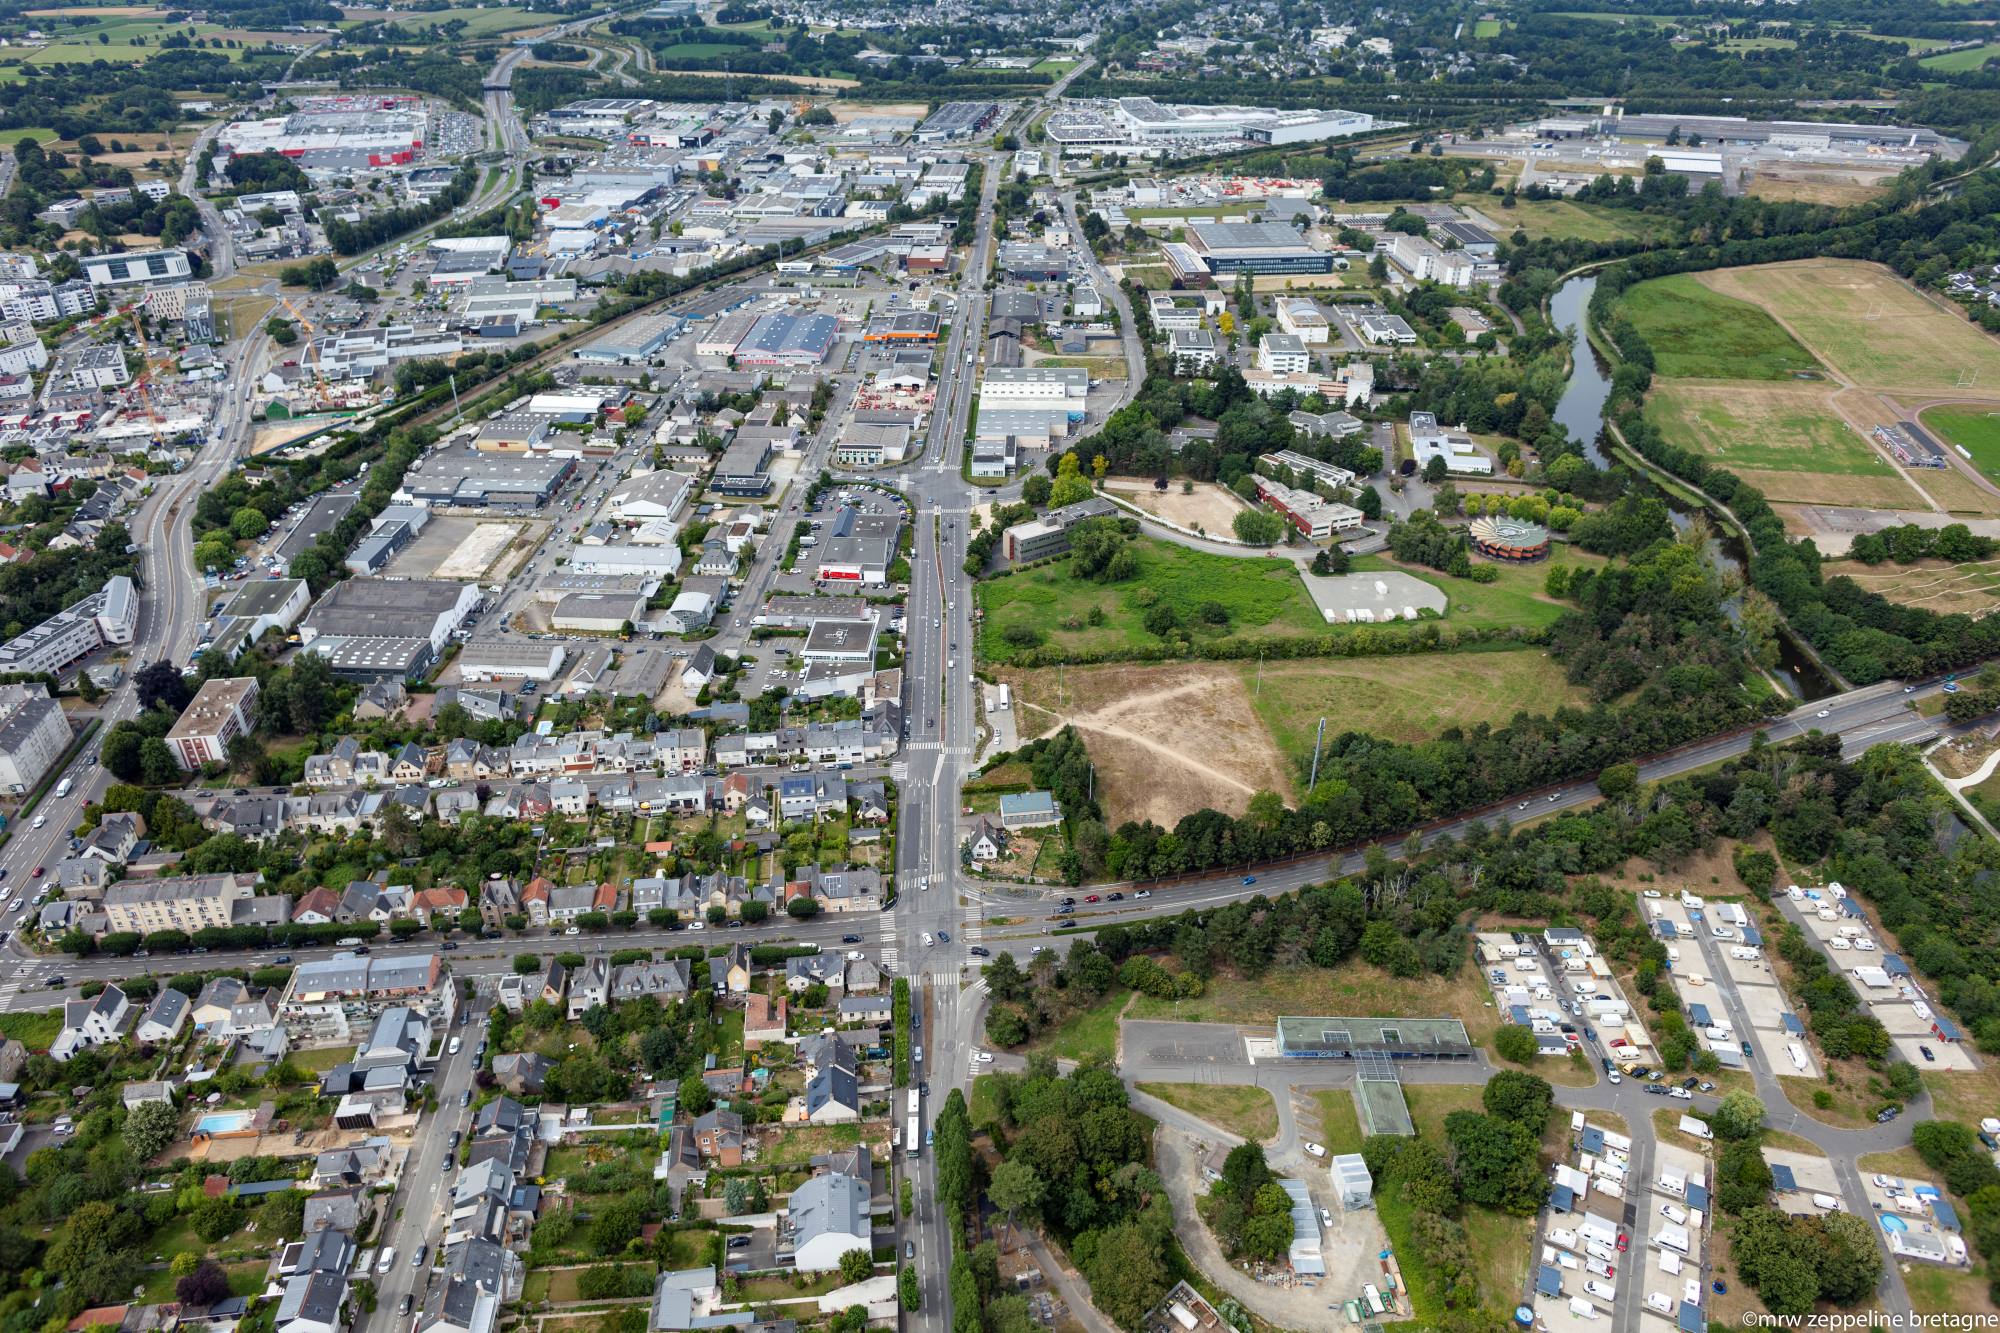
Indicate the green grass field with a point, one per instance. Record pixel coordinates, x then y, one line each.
1699 334
478 22
1565 218
1960 62
1484 28
698 50
1385 697
1263 597
1092 1031
33 1030
1056 65
1515 598
1978 433
1764 430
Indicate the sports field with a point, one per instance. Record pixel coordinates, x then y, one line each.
1976 430
1873 329
1698 332
1783 438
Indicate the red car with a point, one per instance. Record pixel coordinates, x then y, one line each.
39 872
1092 898
1623 1241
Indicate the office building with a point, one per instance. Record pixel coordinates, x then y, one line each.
137 268
34 733
1315 519
1255 247
1040 538
104 619
220 711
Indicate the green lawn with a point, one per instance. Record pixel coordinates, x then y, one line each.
1796 433
1089 1031
1564 218
1384 697
1515 598
1959 62
1056 65
1263 597
799 1144
699 50
1699 334
1339 1121
1978 433
36 1031
1246 1111
1485 28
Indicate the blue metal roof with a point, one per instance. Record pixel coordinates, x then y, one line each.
1946 1215
1943 1026
1691 1320
1519 1013
1697 1196
1848 907
1751 935
1562 1198
1698 1015
1666 930
1895 966
1548 1281
1592 1140
1782 1179
1792 1024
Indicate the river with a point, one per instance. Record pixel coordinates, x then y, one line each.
1581 413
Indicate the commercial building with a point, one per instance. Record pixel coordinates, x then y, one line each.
426 609
1396 1038
511 659
220 711
1428 440
104 619
360 353
1040 538
654 561
1315 519
631 342
598 612
956 120
1302 319
1140 124
34 733
787 338
475 479
138 268
869 444
650 496
1060 389
261 606
844 641
1512 539
336 134
1283 354
180 902
744 469
1255 247
913 326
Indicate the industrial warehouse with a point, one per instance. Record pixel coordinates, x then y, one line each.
333 134
1140 124
1228 248
476 479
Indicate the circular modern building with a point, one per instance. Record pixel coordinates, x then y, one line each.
1500 538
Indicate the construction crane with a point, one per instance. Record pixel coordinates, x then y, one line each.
310 361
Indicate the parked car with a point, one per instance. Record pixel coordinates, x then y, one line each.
1313 1149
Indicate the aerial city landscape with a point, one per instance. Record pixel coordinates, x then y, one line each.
984 668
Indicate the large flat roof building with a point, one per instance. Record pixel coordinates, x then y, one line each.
478 479
220 711
787 338
1256 247
634 340
427 609
106 618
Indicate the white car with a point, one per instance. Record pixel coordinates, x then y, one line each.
1313 1149
1674 1213
924 883
928 941
1651 893
1602 1290
1326 1219
983 1057
1681 1094
574 930
1824 712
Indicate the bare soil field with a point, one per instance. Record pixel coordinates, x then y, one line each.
1815 188
1210 507
1787 438
1167 740
1971 589
849 111
1875 330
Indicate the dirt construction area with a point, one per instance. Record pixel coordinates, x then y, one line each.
1167 740
470 549
1971 589
1209 507
476 554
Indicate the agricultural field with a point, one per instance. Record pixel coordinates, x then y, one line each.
1262 597
127 33
1875 331
1960 62
1970 589
1975 430
478 22
1697 331
1785 439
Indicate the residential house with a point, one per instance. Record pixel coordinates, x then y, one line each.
828 1216
100 1021
719 1135
164 1017
590 986
763 1020
521 1074
989 840
313 1302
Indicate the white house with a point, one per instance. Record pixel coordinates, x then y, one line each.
829 1217
96 1022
